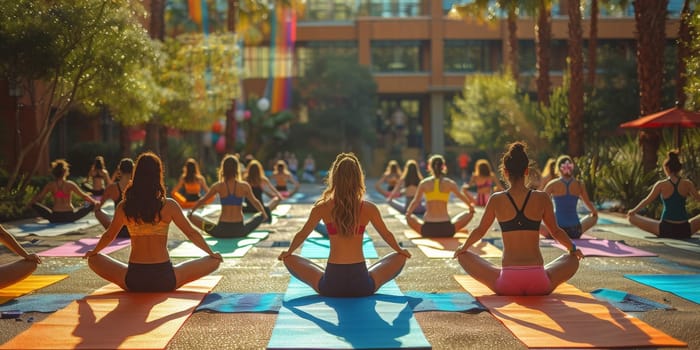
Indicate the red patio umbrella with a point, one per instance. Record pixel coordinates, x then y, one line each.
672 117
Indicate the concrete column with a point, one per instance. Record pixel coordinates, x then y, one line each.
437 121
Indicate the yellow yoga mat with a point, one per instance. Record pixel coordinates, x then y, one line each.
567 318
111 318
27 285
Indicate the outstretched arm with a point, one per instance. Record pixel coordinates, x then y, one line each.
416 200
251 199
80 192
108 236
479 231
376 219
378 185
211 192
586 201
178 186
290 178
40 195
300 236
395 191
649 198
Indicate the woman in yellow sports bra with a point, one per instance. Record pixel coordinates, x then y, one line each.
436 189
519 211
147 213
194 185
61 189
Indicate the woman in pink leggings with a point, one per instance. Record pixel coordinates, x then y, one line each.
519 211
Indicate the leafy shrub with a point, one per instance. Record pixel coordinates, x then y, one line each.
13 203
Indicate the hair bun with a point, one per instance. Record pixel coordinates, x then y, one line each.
673 155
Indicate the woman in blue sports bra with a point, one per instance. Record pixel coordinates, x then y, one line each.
436 221
519 211
231 190
345 214
147 213
672 192
565 193
61 189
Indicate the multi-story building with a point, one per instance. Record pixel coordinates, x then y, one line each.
420 56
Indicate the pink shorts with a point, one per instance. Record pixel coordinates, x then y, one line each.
523 280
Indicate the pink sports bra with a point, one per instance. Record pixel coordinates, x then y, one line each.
60 193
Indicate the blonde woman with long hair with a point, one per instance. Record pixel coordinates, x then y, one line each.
345 214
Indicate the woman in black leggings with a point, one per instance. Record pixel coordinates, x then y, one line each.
61 190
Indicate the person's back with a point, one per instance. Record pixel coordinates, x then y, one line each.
344 248
523 245
437 194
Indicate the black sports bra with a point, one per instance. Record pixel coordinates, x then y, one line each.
520 222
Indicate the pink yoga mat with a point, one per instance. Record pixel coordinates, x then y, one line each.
604 247
81 246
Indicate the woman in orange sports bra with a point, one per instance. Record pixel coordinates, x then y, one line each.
346 215
519 211
436 189
61 189
231 190
193 183
148 213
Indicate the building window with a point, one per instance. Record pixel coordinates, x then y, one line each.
527 56
256 62
472 55
330 10
398 56
391 8
306 52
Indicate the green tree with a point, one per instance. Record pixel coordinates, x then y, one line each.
341 97
75 54
489 114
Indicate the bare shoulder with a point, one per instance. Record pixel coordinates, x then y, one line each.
540 195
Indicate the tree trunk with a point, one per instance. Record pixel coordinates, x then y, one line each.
156 26
152 134
576 131
684 52
513 42
543 39
163 147
593 45
124 141
650 19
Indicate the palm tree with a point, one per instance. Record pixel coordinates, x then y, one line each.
593 45
543 39
650 19
576 83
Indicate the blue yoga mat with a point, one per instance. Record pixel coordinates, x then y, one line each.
628 302
382 321
241 302
40 302
320 248
684 286
454 302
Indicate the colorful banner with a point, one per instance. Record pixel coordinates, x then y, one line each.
282 39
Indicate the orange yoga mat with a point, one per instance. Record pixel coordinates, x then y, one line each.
444 247
113 319
568 318
27 285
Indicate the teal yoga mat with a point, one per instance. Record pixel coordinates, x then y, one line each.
40 302
628 302
320 248
241 302
453 302
228 247
382 321
684 286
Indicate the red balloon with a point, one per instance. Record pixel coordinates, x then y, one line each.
217 127
221 144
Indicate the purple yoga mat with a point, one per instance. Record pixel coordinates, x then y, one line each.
604 247
81 246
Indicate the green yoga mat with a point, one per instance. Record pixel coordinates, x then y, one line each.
382 321
228 247
320 248
684 286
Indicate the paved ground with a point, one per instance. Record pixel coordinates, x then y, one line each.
259 271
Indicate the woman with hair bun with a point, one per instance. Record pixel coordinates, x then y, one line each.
436 189
565 192
519 211
61 189
672 192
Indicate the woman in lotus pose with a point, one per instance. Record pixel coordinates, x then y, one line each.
408 183
436 189
283 178
345 214
565 192
148 213
18 270
519 211
61 189
114 192
672 192
231 190
98 178
484 180
193 183
255 177
391 177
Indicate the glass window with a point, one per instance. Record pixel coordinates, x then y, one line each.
472 55
527 56
331 10
256 61
306 52
391 8
398 56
